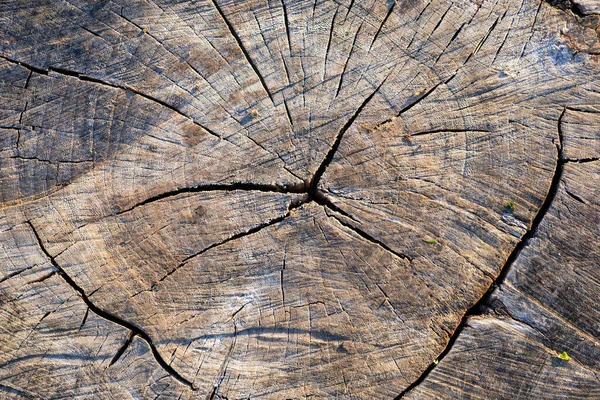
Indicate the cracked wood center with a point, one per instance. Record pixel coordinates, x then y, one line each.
290 199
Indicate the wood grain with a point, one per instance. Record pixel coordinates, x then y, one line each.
285 199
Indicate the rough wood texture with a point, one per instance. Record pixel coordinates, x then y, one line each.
288 199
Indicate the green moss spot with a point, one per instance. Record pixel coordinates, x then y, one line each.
509 206
430 241
564 356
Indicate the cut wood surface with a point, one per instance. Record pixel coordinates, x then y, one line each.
289 199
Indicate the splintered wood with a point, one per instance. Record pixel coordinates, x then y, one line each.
284 199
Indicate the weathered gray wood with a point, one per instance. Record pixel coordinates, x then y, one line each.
285 199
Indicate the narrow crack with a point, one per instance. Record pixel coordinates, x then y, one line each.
341 82
248 232
331 30
484 302
575 197
17 392
223 369
580 160
368 237
287 26
84 319
55 162
391 9
243 49
433 131
85 78
414 103
108 316
122 349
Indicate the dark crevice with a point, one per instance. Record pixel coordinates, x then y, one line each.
293 188
28 79
441 20
450 42
371 239
25 65
55 162
537 13
44 277
484 39
85 317
236 312
348 11
287 26
499 49
281 279
123 347
484 304
322 199
413 103
243 49
108 316
580 160
449 131
575 197
391 9
16 273
287 111
233 237
314 181
90 31
567 5
329 42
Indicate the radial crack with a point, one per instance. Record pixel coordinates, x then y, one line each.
243 49
362 233
229 239
391 9
82 77
108 316
223 369
338 139
293 188
347 61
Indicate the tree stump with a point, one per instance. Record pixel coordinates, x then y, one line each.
292 199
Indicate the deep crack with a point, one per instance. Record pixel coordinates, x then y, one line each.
484 303
314 181
108 316
291 188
